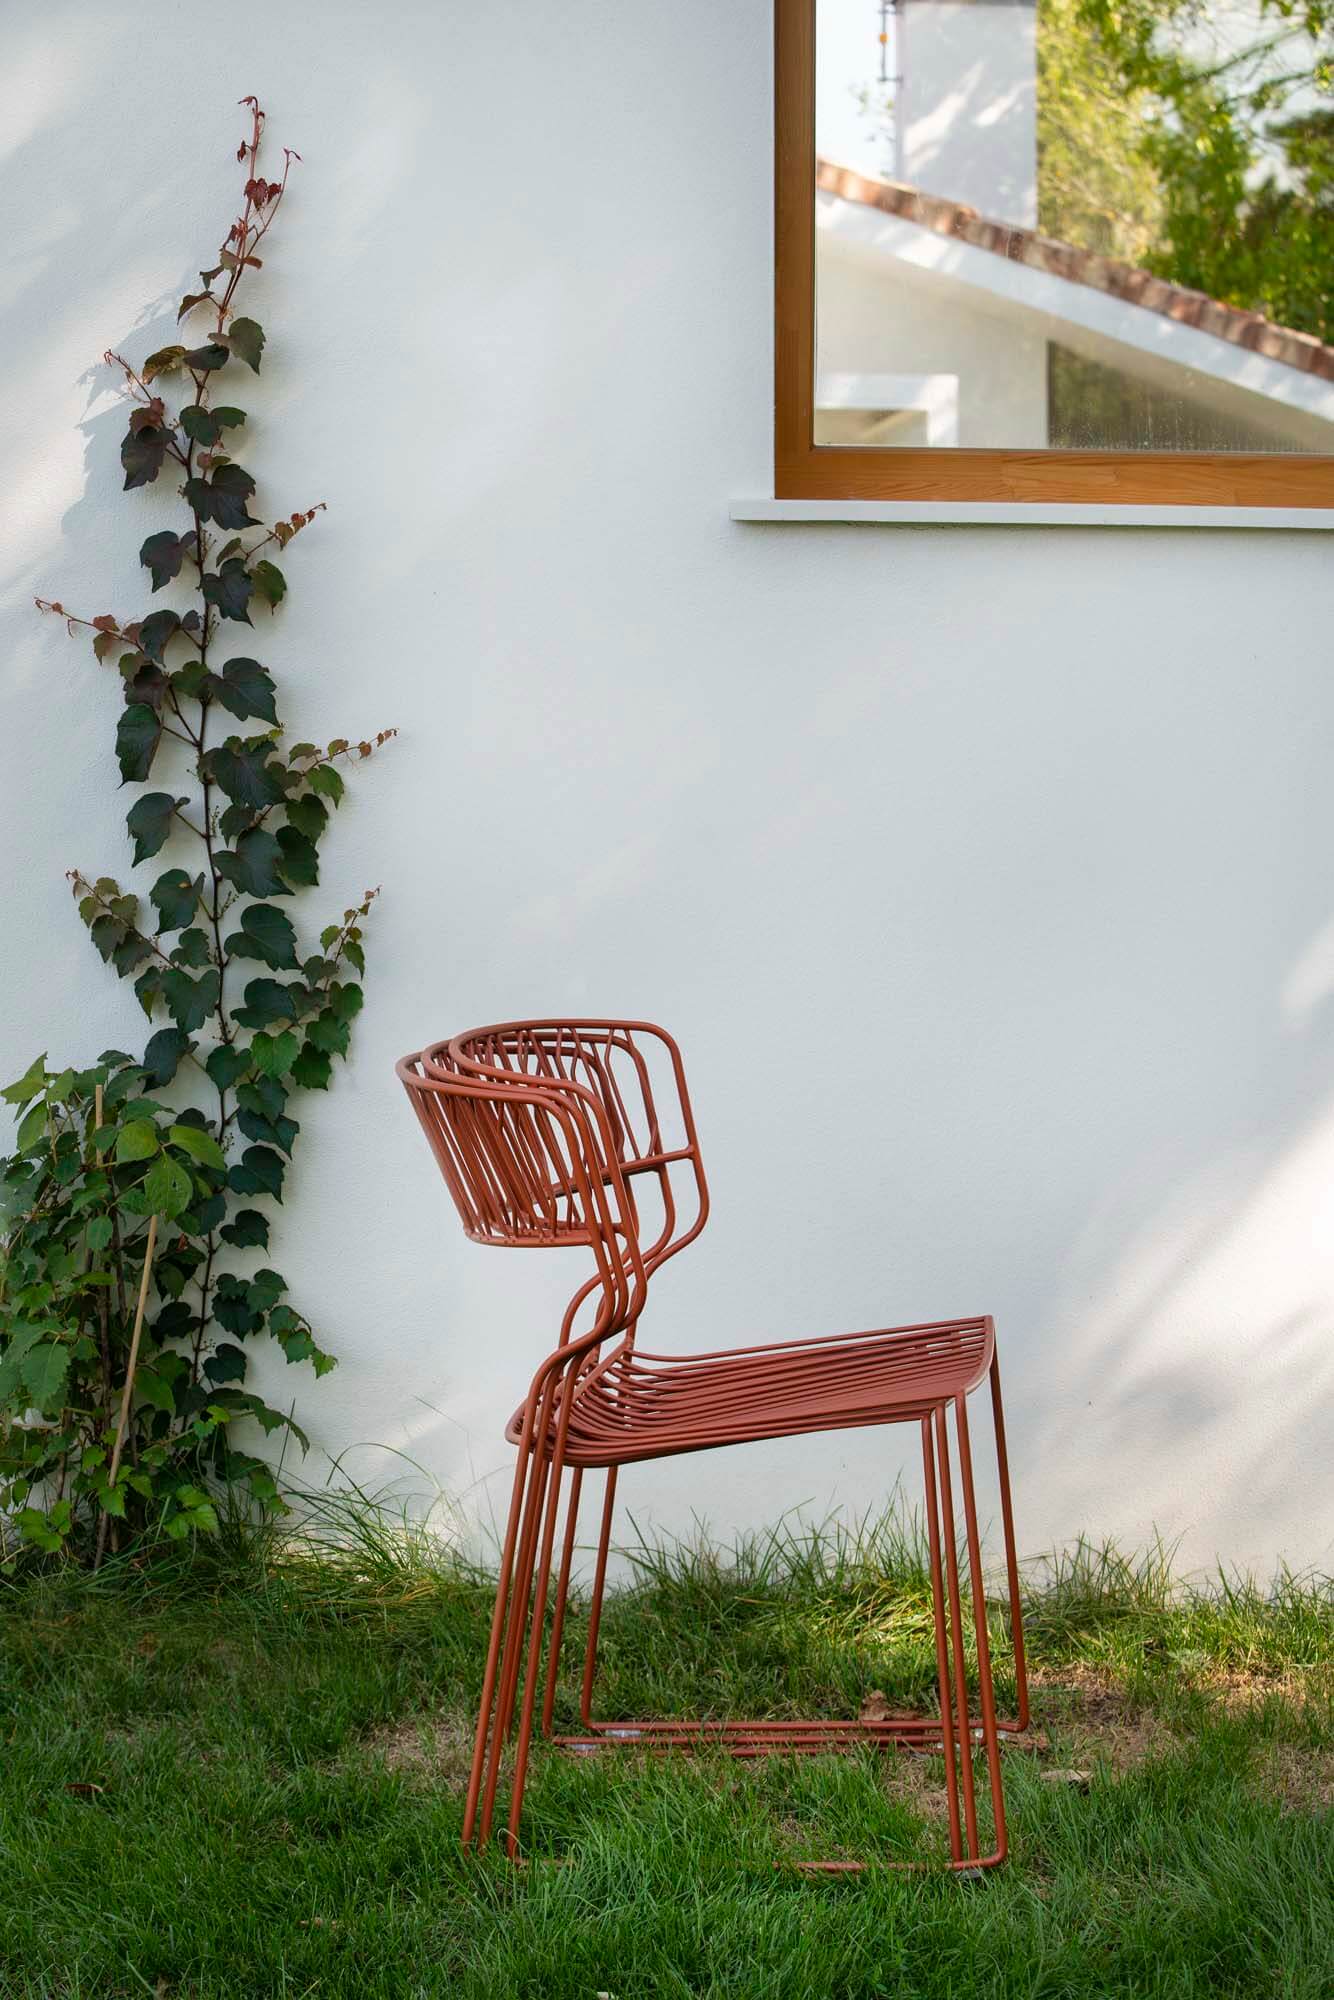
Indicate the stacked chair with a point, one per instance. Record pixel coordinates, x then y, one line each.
549 1134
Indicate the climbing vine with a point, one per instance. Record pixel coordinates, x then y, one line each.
137 1199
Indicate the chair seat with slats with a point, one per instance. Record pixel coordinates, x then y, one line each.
637 1405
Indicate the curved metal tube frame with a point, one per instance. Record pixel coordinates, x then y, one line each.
539 1144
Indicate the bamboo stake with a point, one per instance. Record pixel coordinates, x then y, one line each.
134 1350
103 1302
128 1390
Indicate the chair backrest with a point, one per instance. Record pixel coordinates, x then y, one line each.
608 1068
526 1169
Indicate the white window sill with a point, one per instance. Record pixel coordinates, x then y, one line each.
1020 514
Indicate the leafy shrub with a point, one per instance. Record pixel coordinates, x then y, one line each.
148 1177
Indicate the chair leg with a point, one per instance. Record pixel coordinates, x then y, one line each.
518 1635
963 1723
517 1581
1021 1717
977 1590
536 1623
499 1624
942 1640
599 1590
562 1597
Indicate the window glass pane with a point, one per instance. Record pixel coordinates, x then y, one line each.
1075 224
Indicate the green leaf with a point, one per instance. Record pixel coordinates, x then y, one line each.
144 681
308 816
11 1361
175 897
201 359
273 1055
265 934
149 823
226 1364
260 1107
266 1288
44 1370
200 1145
151 1386
327 1032
269 582
32 1126
138 734
245 688
347 1001
164 362
141 453
168 1188
192 949
312 1068
156 630
246 772
246 339
247 1230
99 1232
223 498
189 1001
136 1140
229 590
259 1171
225 1065
174 1322
266 1000
190 680
200 425
300 863
131 951
235 820
107 933
325 779
204 426
162 555
253 867
204 1214
236 1307
29 1084
148 989
166 1051
39 1529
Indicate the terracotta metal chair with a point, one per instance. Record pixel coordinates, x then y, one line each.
548 1133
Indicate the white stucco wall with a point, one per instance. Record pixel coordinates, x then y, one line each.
986 877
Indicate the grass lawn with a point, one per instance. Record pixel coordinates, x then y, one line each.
244 1777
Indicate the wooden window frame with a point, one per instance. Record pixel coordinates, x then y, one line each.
804 470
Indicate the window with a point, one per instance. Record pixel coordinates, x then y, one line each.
1055 250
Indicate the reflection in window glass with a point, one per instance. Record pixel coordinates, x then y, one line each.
1075 224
